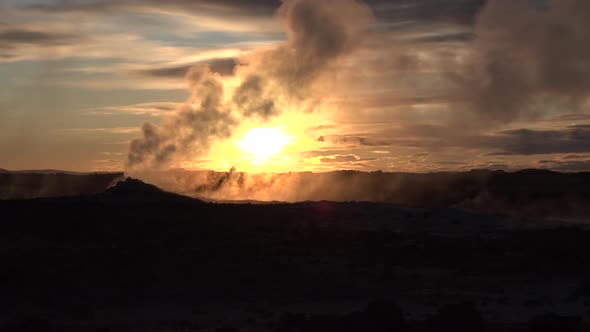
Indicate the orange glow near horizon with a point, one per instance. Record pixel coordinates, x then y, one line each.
273 146
262 145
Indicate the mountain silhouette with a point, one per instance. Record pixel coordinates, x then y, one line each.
132 189
131 186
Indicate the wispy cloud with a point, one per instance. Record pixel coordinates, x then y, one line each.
152 109
113 130
426 89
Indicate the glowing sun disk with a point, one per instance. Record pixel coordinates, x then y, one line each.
264 143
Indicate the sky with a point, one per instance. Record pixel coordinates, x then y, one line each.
295 85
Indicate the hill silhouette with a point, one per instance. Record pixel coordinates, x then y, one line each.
137 258
133 189
131 186
527 193
530 193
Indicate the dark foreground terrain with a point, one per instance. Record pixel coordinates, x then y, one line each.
135 258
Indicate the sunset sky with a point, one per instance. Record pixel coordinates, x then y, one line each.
398 85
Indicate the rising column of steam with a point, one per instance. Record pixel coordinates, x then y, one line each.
526 57
319 33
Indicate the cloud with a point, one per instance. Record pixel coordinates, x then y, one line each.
438 138
108 153
110 45
576 157
459 11
270 81
225 15
353 140
338 159
132 30
451 79
572 117
15 41
455 11
191 129
527 142
153 109
252 98
224 67
526 58
532 142
74 6
254 7
108 161
314 129
112 130
566 166
446 38
11 37
323 153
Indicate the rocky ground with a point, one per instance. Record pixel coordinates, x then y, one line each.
135 258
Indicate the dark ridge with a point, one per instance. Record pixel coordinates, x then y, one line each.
131 186
137 190
528 193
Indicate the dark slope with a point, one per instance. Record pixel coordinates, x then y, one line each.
532 193
136 191
128 256
529 193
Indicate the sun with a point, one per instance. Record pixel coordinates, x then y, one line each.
279 145
264 144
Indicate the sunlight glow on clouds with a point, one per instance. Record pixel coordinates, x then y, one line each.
425 90
264 144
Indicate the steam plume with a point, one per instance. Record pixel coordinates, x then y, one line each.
319 33
526 55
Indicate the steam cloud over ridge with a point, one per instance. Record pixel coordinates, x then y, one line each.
525 57
521 61
319 33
